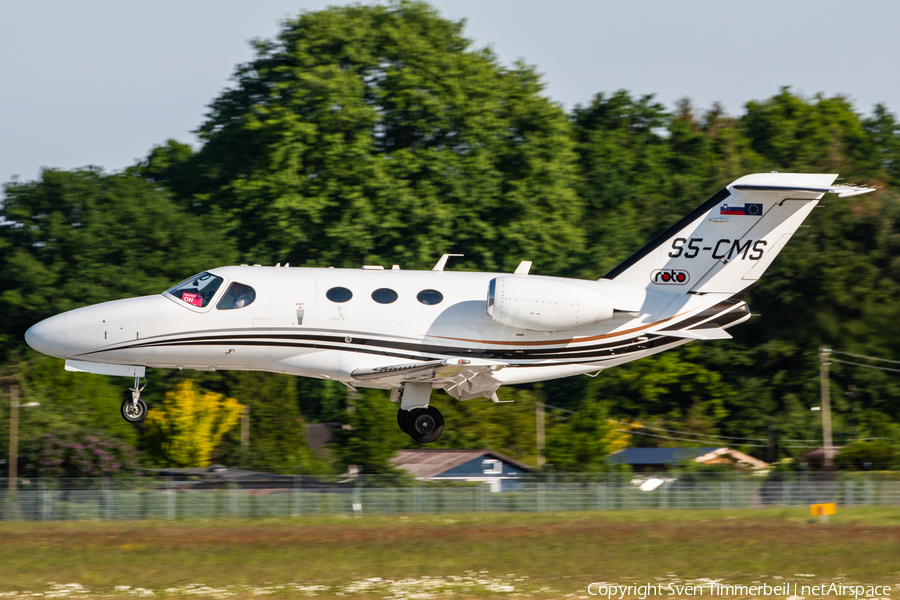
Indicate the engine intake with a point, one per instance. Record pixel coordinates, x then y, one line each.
545 303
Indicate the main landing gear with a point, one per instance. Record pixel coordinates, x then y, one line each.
421 424
135 410
416 419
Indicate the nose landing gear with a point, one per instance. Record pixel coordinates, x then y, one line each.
135 410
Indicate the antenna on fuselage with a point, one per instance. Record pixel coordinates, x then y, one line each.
443 262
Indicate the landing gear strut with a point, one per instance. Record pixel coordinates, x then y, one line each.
423 425
135 410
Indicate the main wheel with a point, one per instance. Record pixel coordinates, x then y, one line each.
134 412
425 425
402 416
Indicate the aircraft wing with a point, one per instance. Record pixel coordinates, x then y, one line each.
462 378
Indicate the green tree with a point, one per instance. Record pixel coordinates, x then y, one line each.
81 237
277 430
875 454
185 430
481 424
582 442
375 134
373 437
825 134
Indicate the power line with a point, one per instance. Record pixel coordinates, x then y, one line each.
896 362
715 438
709 435
562 409
856 364
666 437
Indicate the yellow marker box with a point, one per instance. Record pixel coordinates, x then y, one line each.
819 510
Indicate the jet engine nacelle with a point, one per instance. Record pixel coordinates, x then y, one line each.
545 304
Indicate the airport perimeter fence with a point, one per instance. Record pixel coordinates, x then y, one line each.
160 498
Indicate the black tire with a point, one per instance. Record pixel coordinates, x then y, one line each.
402 416
425 425
132 413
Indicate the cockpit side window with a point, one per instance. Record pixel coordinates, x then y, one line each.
238 295
197 290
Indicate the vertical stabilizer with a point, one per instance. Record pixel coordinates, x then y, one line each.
728 242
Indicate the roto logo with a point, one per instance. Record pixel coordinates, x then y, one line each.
670 277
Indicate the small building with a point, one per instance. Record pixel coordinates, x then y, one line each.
500 471
663 459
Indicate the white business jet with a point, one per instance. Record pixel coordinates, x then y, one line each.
465 333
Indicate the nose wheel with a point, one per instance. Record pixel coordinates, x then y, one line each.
423 425
135 410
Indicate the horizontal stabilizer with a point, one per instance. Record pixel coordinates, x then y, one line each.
713 333
842 191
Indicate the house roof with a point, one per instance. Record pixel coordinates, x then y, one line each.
666 456
424 464
738 456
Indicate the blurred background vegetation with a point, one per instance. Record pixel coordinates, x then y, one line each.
379 135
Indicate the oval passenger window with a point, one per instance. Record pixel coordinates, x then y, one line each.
430 297
338 294
384 296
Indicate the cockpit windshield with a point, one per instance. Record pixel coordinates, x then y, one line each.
197 290
238 295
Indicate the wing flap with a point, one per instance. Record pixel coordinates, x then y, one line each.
462 378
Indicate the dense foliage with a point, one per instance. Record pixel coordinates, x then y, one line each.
78 455
378 135
188 425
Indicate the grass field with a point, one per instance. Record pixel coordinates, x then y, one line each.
473 555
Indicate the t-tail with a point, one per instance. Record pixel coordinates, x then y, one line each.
727 243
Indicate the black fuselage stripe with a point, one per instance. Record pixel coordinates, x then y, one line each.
585 357
402 346
336 343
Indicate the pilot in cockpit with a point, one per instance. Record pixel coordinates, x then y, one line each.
237 296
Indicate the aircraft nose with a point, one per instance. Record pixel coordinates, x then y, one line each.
49 336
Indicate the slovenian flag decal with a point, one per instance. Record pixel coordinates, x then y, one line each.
745 209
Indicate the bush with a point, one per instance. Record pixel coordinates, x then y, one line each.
77 455
857 456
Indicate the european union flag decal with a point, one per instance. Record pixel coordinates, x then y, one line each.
746 209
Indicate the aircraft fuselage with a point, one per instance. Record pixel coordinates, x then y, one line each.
293 327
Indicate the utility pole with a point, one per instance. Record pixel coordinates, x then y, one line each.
245 435
539 417
13 438
351 400
824 354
